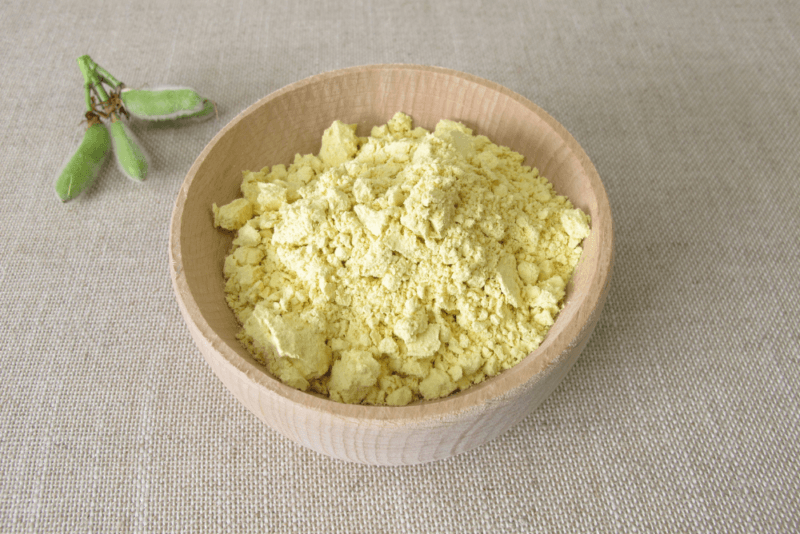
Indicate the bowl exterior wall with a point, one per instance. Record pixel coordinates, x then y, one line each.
380 442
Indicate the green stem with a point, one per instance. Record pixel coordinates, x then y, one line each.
107 76
88 91
91 78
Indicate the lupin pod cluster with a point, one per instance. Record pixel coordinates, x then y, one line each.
108 99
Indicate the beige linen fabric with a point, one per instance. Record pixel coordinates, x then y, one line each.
681 415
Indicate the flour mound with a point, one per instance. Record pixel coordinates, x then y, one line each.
398 267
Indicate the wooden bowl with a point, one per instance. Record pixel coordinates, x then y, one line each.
291 121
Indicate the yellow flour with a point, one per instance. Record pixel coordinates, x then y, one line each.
402 266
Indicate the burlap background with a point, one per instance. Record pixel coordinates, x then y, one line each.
682 413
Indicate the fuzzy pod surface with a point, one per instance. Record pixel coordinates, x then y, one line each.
83 166
130 156
166 103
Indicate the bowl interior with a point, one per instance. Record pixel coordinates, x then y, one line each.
292 120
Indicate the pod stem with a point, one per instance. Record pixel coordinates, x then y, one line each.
108 77
106 105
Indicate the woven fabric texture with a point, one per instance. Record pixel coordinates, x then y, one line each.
681 415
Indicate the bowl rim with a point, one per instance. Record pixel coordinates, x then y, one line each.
534 366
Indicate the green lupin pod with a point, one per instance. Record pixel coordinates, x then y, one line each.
130 157
108 99
166 103
83 166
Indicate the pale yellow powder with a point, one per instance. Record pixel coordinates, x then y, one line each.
403 266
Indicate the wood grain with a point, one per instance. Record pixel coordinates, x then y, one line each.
291 121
